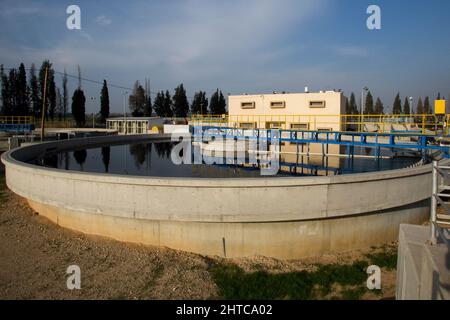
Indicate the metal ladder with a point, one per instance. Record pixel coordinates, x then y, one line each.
440 222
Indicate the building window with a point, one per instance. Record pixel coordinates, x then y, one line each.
277 104
317 104
300 126
275 125
247 125
247 105
324 129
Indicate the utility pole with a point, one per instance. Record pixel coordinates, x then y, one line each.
43 106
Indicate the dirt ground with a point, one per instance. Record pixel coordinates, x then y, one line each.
35 253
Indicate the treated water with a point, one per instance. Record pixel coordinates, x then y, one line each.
154 159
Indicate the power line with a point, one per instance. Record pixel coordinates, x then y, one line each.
95 81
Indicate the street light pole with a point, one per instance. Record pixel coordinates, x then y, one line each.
362 106
93 99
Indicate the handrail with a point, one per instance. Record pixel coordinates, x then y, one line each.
429 124
16 119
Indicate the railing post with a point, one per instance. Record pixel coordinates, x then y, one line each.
433 212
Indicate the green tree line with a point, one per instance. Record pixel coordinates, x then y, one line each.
176 105
422 106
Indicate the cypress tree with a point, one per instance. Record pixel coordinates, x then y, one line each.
222 104
148 99
195 106
217 105
137 100
347 106
158 104
50 93
406 106
12 94
23 102
213 102
59 104
180 102
65 97
204 103
104 102
34 92
379 108
353 107
6 101
167 105
200 103
78 107
397 107
427 106
368 107
419 107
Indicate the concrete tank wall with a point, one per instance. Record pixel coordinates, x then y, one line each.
279 217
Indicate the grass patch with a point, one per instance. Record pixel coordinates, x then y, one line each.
234 283
387 258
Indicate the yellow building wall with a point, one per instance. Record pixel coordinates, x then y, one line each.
297 110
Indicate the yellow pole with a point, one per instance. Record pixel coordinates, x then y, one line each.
43 106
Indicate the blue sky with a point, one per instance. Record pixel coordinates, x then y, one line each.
248 46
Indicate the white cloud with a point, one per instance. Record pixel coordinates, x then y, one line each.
102 20
351 51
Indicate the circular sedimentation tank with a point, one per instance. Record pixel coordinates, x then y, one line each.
81 184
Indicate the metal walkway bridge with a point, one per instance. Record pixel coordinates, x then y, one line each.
405 141
16 124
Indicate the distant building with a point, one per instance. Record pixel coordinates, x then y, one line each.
133 125
301 111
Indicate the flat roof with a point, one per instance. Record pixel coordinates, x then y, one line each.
133 118
283 93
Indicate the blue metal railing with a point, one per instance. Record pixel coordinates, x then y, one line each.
410 141
16 128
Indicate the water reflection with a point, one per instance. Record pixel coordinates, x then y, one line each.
106 155
80 157
153 159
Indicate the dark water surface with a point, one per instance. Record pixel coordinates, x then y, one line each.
153 159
